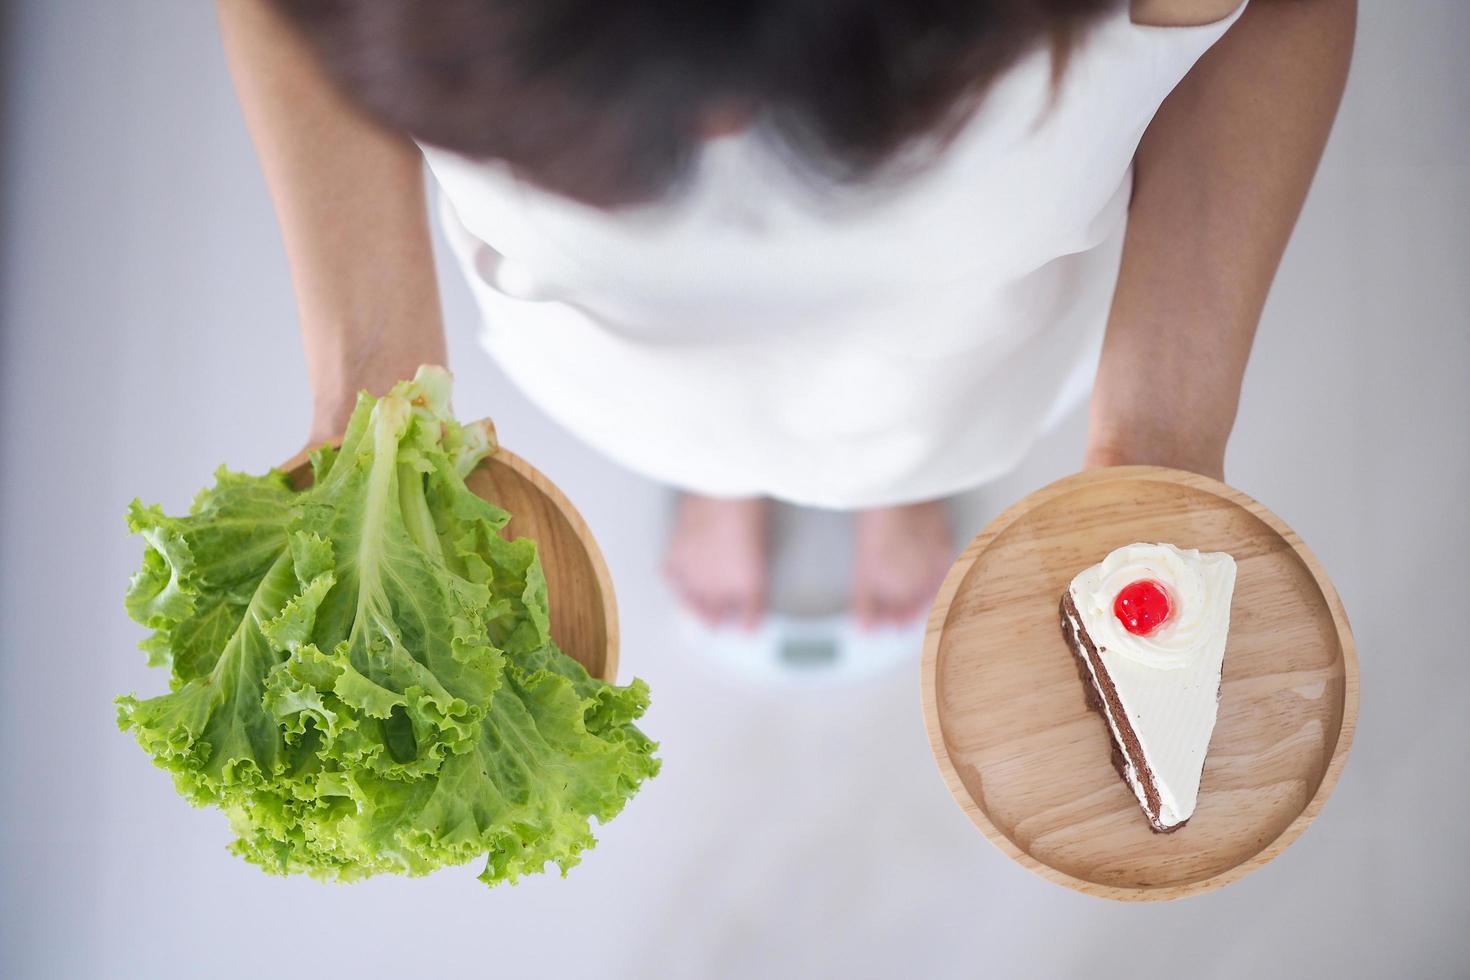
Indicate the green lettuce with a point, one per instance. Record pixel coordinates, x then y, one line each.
362 675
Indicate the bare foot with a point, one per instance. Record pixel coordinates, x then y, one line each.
716 559
902 554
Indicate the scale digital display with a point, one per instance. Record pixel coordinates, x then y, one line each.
808 651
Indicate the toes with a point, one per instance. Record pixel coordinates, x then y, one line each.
886 611
900 609
903 611
708 609
864 609
915 608
722 610
874 608
695 601
752 609
742 609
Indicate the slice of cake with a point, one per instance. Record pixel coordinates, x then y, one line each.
1147 625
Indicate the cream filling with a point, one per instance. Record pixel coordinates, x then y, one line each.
1130 771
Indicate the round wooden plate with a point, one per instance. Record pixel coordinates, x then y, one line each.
584 611
1028 761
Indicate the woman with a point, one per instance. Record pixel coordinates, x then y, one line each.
854 253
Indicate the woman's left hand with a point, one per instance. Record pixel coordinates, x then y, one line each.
1217 183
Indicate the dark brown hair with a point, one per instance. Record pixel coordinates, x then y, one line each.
607 100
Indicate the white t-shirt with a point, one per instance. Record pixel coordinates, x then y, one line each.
762 333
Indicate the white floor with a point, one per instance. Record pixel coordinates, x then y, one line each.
148 336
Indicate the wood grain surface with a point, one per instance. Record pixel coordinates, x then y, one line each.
584 610
1029 763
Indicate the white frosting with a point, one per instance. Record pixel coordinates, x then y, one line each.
1169 680
1192 581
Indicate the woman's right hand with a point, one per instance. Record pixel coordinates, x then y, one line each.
334 401
349 197
328 423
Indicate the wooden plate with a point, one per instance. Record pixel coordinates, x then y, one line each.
1029 762
584 611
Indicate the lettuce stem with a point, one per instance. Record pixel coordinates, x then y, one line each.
416 516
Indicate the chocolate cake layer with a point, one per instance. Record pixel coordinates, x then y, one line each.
1101 696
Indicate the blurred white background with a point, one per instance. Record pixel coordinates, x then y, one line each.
148 335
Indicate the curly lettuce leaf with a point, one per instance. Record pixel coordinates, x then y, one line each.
362 673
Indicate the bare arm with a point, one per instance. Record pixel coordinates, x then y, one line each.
349 197
1219 181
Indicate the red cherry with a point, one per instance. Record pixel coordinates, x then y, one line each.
1142 606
